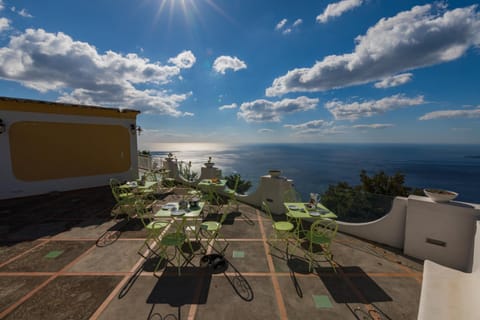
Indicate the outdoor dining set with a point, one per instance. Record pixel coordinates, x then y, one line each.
177 231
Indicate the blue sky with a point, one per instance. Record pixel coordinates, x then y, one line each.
241 71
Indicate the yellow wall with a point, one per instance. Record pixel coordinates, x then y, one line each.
49 150
22 105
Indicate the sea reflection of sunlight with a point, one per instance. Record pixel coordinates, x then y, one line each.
197 153
188 146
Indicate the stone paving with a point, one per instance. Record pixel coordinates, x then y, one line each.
62 256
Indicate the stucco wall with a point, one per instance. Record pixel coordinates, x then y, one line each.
55 147
389 230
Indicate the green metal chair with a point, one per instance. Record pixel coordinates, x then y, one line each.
282 230
210 230
125 199
213 200
232 198
321 234
154 228
292 195
174 240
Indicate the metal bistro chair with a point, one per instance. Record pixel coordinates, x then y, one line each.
232 198
213 199
321 233
154 227
292 195
125 199
211 231
282 230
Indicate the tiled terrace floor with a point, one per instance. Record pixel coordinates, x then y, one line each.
63 257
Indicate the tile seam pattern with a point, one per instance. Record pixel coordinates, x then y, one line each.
12 259
114 292
276 285
416 275
45 283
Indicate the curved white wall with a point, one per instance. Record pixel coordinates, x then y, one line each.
389 230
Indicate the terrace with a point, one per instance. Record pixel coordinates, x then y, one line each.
64 257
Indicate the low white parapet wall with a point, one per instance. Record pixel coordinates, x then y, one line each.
441 232
424 229
389 230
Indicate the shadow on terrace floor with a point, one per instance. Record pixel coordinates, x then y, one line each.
49 252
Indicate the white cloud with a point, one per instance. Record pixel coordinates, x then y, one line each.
22 12
222 63
448 114
2 5
337 9
54 61
265 130
355 110
184 60
314 124
394 81
25 14
267 111
297 22
4 24
315 127
281 24
374 126
409 40
228 106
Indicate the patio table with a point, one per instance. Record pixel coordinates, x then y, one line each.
179 219
135 185
213 192
299 210
204 184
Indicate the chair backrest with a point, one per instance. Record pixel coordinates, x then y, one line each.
150 176
212 196
267 209
115 186
141 211
224 216
292 195
326 228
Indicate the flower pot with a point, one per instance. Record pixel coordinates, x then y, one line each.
439 195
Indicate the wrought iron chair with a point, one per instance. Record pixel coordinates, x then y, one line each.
282 230
125 199
321 234
292 195
210 230
154 228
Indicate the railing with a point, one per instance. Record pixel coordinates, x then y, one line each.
357 206
145 162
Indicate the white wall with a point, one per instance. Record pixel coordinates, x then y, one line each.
441 232
389 230
12 188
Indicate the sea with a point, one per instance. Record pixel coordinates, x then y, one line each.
313 167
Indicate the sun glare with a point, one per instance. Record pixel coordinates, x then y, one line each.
191 9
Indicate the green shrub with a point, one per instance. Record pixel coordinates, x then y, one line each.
368 201
243 185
